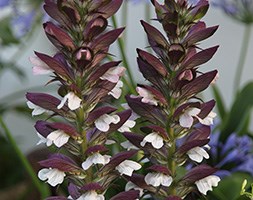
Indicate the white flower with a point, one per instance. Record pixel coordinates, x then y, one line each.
37 110
116 91
127 167
156 179
44 140
127 125
74 101
95 158
155 139
39 66
113 74
197 154
128 145
130 185
58 137
148 97
208 120
104 121
186 119
91 195
207 183
53 176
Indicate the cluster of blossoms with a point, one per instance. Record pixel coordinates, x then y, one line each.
85 119
168 107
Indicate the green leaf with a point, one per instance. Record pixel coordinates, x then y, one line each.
238 113
219 102
230 187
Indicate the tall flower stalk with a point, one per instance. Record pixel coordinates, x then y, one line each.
83 117
177 121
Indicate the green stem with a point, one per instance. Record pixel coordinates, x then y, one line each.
41 188
242 58
171 162
124 58
124 17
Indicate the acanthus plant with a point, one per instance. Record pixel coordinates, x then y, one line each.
83 118
176 126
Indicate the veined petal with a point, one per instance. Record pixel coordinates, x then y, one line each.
127 167
96 158
156 179
116 91
113 74
207 183
148 97
197 154
185 120
208 120
155 139
104 121
53 176
39 67
58 137
74 101
87 163
127 125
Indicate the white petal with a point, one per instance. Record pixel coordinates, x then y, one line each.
87 163
155 139
74 101
58 137
207 183
63 101
39 66
193 111
54 176
42 174
97 158
166 180
127 167
153 179
197 154
185 120
103 122
208 120
126 126
116 91
36 109
148 97
42 139
113 74
128 145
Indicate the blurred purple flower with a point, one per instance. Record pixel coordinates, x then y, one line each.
241 10
234 155
4 3
22 22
